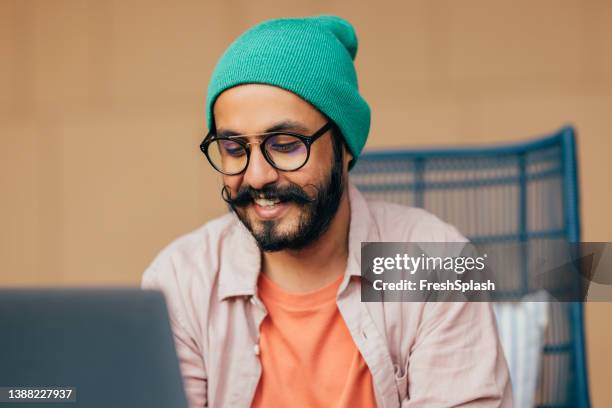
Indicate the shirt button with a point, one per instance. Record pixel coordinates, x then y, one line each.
256 349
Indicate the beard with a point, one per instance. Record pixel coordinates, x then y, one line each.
315 213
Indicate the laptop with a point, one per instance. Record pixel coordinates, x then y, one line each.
101 347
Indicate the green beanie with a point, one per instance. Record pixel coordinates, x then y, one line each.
311 57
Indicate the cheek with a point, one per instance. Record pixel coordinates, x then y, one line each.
313 172
233 182
306 177
321 158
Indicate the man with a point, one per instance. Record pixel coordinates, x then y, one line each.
265 301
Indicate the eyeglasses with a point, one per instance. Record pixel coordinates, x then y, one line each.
286 151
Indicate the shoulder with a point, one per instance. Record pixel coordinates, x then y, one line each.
190 256
397 222
187 270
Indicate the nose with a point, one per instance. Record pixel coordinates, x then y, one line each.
259 172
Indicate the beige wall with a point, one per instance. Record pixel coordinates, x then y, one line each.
101 111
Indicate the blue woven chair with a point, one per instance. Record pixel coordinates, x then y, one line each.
518 192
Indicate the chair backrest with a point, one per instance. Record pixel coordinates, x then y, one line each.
518 192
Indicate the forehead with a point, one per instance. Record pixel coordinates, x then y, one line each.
251 108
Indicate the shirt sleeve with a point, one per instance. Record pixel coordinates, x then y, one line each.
457 359
191 361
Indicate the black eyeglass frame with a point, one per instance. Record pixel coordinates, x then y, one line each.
307 140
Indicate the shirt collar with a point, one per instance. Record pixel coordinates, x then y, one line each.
241 258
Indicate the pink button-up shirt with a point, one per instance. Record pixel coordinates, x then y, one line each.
419 354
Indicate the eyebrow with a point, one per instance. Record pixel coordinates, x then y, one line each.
285 125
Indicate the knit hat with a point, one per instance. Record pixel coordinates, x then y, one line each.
311 57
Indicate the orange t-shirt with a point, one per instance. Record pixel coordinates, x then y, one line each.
307 354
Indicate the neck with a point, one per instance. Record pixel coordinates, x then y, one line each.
316 265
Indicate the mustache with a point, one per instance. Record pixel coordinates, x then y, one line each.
246 195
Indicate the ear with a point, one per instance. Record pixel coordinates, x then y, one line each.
348 156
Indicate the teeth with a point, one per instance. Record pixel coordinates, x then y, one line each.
262 202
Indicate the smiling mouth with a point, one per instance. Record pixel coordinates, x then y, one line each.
269 209
264 202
